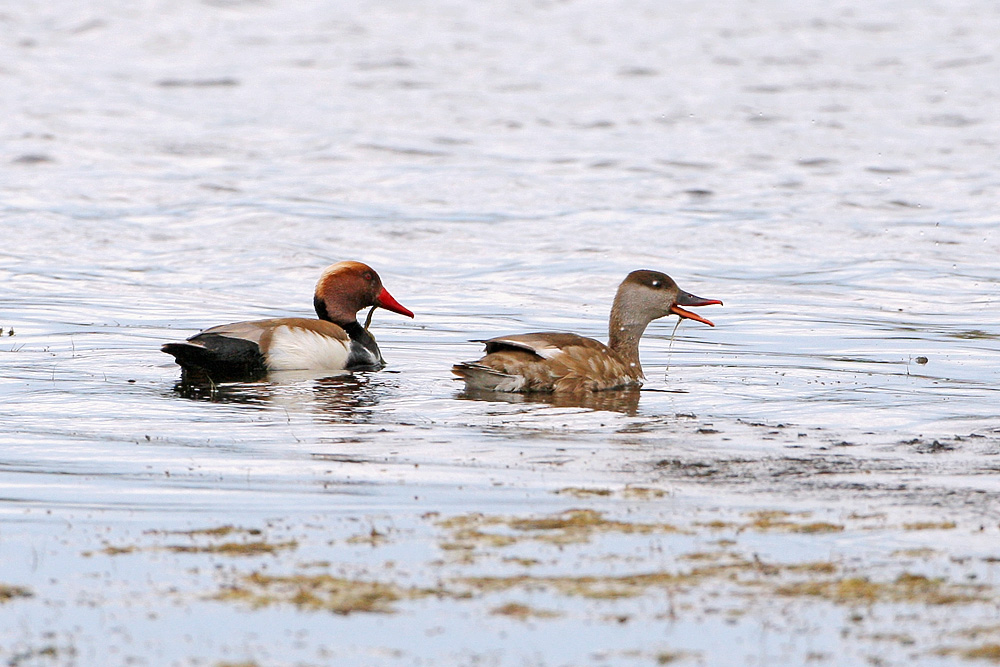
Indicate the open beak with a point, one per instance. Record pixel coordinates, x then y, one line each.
385 300
685 299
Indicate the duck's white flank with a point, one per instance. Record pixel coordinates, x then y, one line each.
293 348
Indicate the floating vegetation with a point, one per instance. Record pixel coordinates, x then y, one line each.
973 334
770 520
596 587
372 538
218 531
913 588
522 612
233 548
8 593
643 493
630 492
321 592
248 547
111 550
581 492
929 525
767 520
990 652
467 531
818 527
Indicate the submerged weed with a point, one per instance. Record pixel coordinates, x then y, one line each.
914 588
233 548
522 612
581 492
8 593
930 525
321 592
990 652
469 531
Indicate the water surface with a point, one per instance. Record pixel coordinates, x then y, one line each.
795 481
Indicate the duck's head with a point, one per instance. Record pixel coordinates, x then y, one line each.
347 287
647 295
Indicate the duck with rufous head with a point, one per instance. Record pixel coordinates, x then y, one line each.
333 342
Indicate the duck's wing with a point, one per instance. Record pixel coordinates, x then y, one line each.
544 361
258 331
544 344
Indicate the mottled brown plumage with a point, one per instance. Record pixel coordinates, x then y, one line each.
565 362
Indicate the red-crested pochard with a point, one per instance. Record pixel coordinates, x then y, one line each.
335 342
566 362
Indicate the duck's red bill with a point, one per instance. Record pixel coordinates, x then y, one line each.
385 300
685 299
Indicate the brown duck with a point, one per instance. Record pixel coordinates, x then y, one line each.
334 342
566 362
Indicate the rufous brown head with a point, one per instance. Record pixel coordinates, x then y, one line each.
347 287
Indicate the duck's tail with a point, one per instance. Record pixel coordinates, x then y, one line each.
479 376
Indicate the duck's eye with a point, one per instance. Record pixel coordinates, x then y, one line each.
368 276
656 283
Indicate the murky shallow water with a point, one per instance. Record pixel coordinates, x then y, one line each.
792 485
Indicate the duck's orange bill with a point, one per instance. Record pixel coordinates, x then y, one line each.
385 300
685 299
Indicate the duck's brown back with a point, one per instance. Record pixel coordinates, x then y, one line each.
547 361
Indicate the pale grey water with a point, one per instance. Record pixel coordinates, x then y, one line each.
829 170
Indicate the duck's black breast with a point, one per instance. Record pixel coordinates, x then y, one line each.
363 352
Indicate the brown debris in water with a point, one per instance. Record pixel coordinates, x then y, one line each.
321 592
8 593
913 588
522 612
990 652
231 548
582 492
469 531
630 492
595 587
767 520
218 531
930 525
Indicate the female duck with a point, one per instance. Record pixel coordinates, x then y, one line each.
334 342
566 362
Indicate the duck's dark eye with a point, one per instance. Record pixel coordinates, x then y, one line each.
368 276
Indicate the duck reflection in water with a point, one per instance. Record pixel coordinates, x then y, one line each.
625 401
344 398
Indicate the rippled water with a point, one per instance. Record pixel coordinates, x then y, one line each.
828 170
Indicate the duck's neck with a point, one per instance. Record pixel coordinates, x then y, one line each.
623 339
359 334
365 354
